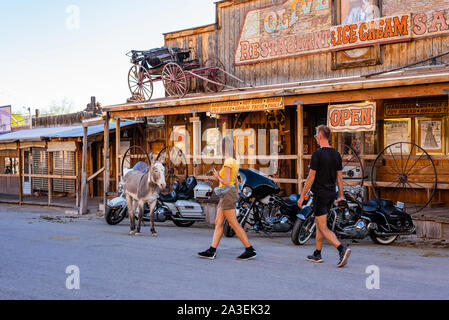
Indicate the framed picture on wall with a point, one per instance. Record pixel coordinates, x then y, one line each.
430 135
350 12
398 130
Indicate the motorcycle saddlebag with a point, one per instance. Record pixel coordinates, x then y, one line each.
189 209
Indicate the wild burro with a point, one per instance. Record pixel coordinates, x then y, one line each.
142 187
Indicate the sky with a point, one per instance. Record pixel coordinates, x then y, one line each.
55 49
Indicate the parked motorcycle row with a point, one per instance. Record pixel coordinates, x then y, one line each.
261 209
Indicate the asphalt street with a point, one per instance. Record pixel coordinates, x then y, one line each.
37 245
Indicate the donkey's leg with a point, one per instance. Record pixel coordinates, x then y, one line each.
152 206
140 204
131 209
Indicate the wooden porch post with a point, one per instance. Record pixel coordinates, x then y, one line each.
107 170
83 205
20 174
50 172
300 134
77 174
117 154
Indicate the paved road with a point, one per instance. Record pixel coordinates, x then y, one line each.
36 248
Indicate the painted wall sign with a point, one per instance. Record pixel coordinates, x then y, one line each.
304 27
247 105
5 119
352 117
398 109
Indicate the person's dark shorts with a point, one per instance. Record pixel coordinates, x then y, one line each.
322 205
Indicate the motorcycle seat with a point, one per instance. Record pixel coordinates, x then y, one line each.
292 201
171 197
141 166
378 204
370 206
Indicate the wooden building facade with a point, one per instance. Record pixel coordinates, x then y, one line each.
300 60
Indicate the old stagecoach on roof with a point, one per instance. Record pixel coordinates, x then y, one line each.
174 67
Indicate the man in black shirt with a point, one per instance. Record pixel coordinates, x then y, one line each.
325 173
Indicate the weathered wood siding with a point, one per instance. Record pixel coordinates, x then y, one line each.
207 42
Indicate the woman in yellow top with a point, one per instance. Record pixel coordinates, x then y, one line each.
226 207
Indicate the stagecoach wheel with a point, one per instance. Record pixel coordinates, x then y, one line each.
405 172
132 156
175 80
353 171
214 72
175 164
140 83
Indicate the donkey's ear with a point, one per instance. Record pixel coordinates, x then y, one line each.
151 156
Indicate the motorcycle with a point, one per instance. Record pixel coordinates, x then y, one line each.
180 206
260 207
380 219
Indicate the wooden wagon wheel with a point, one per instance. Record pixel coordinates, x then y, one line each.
133 155
140 83
214 72
175 164
353 171
174 80
397 170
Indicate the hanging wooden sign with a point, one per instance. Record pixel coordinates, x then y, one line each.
304 27
352 117
409 108
247 105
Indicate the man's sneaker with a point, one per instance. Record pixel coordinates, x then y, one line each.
315 257
247 255
344 256
208 254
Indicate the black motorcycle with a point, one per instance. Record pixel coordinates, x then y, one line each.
380 219
260 207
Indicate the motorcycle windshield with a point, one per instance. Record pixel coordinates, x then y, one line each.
254 178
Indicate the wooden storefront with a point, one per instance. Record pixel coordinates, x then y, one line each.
312 55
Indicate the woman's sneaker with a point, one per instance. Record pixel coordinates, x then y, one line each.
344 256
208 254
249 254
315 257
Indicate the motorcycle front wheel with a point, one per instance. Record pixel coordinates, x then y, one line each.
114 216
183 224
383 240
303 230
228 231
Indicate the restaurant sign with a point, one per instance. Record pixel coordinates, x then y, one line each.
352 117
410 108
247 105
296 28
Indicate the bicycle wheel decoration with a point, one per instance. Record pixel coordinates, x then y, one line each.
132 156
175 164
405 172
353 171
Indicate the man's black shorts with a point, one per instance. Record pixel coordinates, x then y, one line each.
322 205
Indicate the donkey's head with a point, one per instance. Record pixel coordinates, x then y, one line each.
156 173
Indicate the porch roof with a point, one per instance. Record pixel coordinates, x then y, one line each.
39 134
295 91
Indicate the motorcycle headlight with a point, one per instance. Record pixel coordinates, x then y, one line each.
247 192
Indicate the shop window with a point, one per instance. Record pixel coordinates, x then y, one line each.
11 166
357 139
212 139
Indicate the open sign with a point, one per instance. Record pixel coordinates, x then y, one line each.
352 117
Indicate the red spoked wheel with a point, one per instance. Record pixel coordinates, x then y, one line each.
175 80
140 83
405 172
214 72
